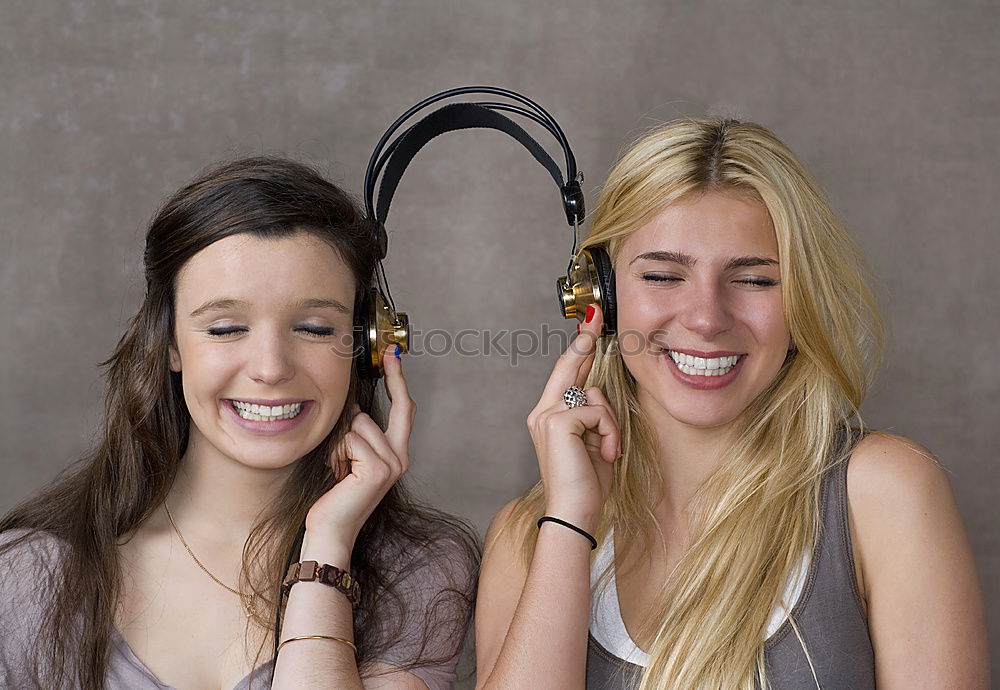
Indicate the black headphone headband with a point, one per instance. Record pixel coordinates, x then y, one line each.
395 157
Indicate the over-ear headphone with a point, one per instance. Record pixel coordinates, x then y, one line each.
589 279
376 326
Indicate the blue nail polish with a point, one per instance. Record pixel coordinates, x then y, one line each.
397 352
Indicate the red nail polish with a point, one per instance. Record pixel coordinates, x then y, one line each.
590 313
578 329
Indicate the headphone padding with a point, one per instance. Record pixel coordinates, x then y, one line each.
362 345
606 281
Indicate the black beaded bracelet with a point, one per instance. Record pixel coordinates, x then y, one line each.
590 537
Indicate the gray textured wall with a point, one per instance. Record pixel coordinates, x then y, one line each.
109 106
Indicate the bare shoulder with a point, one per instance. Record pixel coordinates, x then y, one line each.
915 568
897 491
504 550
888 473
502 535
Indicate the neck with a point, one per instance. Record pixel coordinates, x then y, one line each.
219 496
687 456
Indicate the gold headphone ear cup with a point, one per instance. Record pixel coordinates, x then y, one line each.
589 280
385 328
577 288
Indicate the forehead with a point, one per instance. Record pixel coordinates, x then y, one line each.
709 224
265 271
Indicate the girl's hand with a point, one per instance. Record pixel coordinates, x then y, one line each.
367 462
575 447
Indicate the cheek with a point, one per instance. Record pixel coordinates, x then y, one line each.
206 373
331 373
640 310
207 357
767 319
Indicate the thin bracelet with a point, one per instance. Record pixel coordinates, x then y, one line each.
590 538
320 637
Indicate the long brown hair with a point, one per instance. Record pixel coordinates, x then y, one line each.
104 497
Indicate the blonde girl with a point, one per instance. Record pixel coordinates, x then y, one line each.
749 531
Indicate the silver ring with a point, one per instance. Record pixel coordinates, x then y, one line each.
575 397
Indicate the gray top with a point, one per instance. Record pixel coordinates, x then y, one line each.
829 616
25 569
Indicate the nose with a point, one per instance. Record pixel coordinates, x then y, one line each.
705 311
270 362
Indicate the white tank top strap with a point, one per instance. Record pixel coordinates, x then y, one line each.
606 623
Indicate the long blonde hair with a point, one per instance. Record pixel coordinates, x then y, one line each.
758 513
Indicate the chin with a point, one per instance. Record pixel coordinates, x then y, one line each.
261 461
707 419
264 456
700 411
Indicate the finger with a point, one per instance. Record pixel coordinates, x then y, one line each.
403 409
338 464
611 444
585 367
593 418
573 363
365 463
365 426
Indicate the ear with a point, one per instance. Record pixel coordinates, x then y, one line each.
175 358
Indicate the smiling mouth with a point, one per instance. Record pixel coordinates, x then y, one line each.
265 413
703 366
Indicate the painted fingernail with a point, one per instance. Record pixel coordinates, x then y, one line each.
397 352
590 312
578 329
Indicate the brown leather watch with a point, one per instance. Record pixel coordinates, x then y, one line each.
309 571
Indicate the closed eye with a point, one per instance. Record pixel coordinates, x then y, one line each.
660 278
316 331
758 282
222 331
313 331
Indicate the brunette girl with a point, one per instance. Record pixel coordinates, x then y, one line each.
235 414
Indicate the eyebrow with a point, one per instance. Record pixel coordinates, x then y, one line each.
688 260
309 303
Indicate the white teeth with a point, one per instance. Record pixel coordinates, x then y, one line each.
265 413
703 366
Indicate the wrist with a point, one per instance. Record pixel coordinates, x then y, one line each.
326 550
311 571
564 524
580 516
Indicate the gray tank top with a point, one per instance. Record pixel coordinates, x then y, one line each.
828 613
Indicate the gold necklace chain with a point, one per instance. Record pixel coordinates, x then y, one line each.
247 604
